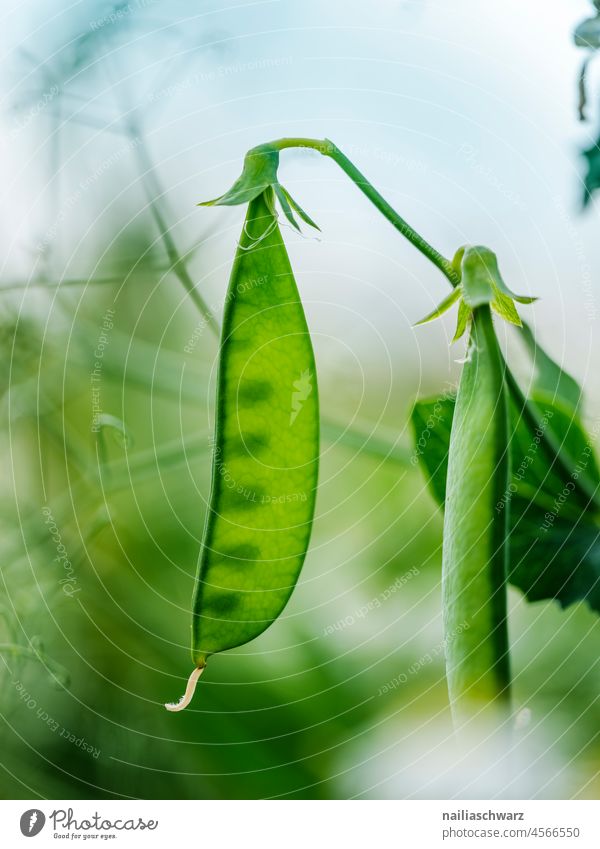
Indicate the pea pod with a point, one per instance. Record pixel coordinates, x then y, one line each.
475 547
266 448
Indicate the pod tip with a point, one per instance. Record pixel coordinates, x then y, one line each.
189 691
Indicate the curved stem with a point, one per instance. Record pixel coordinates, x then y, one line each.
557 455
327 148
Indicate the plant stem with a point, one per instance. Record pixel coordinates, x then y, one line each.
327 148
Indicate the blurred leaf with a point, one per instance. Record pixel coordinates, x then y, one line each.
562 562
35 651
550 379
587 33
117 426
431 421
591 180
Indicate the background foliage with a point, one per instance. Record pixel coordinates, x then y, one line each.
118 119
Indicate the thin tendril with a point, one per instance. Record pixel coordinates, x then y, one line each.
301 233
255 242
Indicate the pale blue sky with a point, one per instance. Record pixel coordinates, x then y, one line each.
462 113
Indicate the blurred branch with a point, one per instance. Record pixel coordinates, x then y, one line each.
154 193
582 90
34 651
364 441
20 286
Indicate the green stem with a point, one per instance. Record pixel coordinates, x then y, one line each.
556 454
327 148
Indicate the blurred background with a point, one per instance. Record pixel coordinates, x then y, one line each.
116 120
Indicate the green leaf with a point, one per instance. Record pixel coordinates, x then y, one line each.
557 449
502 287
571 435
479 271
259 172
258 175
443 307
587 33
505 308
266 447
550 380
285 205
538 482
431 422
524 299
591 180
554 541
483 283
462 322
298 209
561 562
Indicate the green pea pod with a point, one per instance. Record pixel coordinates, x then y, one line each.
266 449
475 548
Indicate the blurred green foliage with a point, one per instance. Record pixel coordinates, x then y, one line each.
345 694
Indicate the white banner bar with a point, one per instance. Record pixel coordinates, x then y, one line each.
302 824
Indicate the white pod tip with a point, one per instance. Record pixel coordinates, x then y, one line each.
189 691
